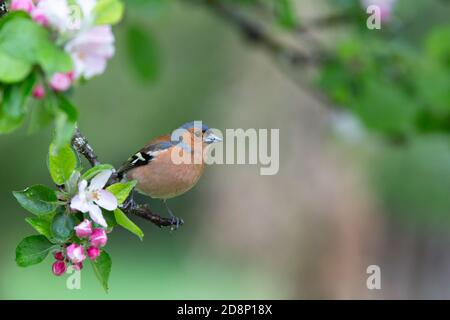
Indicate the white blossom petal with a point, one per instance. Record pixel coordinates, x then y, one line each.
87 7
93 66
96 214
57 13
82 186
90 50
100 180
106 200
80 204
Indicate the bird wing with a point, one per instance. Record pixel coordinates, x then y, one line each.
145 155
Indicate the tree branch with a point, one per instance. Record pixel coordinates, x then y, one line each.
81 145
258 34
3 8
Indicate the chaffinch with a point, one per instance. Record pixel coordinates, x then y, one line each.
157 175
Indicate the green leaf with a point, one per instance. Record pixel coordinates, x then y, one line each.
41 116
15 97
13 15
143 56
29 43
61 163
285 12
385 109
102 269
42 224
122 190
92 172
8 123
12 69
65 122
32 250
63 225
53 59
438 44
71 185
108 12
125 222
109 218
22 38
37 199
14 105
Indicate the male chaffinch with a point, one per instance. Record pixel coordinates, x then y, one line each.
157 175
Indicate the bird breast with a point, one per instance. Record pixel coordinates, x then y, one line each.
161 178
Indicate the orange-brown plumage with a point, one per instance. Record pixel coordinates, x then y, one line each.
160 177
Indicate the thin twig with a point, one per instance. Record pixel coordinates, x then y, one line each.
81 145
258 34
3 8
284 53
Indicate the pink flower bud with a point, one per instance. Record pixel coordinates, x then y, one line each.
61 81
93 253
24 5
75 253
98 237
71 75
38 92
39 16
59 268
59 256
77 266
84 229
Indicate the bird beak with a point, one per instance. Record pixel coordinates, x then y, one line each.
212 138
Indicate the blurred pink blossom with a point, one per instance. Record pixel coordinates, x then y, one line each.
38 92
61 81
90 50
39 16
24 5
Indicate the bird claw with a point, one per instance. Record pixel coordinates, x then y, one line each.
176 223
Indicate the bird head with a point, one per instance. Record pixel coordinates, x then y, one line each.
199 129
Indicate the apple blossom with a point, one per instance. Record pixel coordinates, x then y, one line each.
93 252
98 238
90 51
75 253
87 9
89 45
59 268
84 229
61 81
24 5
91 198
38 92
56 12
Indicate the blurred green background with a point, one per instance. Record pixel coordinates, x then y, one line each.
345 197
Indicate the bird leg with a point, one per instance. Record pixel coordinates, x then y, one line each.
176 222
